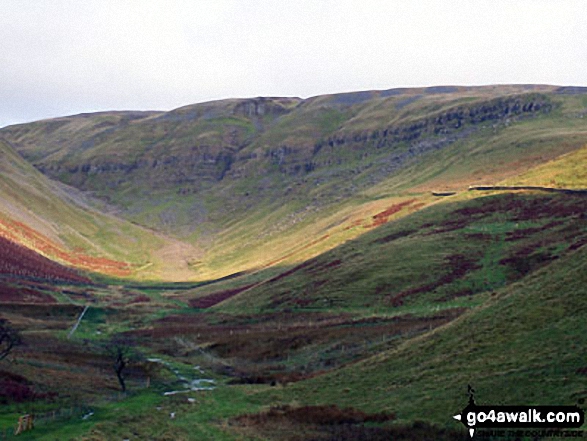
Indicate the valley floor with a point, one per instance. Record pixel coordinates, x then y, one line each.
377 338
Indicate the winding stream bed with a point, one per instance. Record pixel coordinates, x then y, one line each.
188 384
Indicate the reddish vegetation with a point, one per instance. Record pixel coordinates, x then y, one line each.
320 415
557 207
317 269
519 208
18 232
528 208
273 378
141 299
15 389
565 223
63 366
263 338
313 267
333 423
526 260
67 311
450 225
292 271
355 223
217 297
459 266
9 294
578 244
483 237
526 232
383 217
394 236
305 247
16 260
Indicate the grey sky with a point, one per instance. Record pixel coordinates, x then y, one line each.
60 57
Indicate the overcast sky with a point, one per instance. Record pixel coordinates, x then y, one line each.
60 57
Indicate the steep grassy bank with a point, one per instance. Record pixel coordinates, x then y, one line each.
63 224
325 289
525 345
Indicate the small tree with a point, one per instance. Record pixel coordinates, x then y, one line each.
9 338
121 350
121 361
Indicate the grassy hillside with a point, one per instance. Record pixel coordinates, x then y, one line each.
61 223
524 345
338 278
481 290
251 181
566 171
444 254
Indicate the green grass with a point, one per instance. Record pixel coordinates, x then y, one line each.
522 346
240 221
567 171
415 251
67 220
511 265
146 415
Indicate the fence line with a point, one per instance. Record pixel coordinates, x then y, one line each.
8 433
577 191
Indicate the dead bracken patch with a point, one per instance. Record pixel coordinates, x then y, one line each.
318 415
259 346
383 217
527 232
15 388
331 423
578 244
394 236
11 294
17 232
292 271
19 261
526 208
525 261
142 298
459 264
483 237
217 297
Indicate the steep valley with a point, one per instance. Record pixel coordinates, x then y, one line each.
324 261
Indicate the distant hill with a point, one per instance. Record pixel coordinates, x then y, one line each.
249 181
65 225
378 251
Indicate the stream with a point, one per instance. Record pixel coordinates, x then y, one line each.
188 384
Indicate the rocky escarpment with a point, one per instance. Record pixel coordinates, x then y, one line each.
417 137
260 107
200 161
186 150
253 144
198 167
